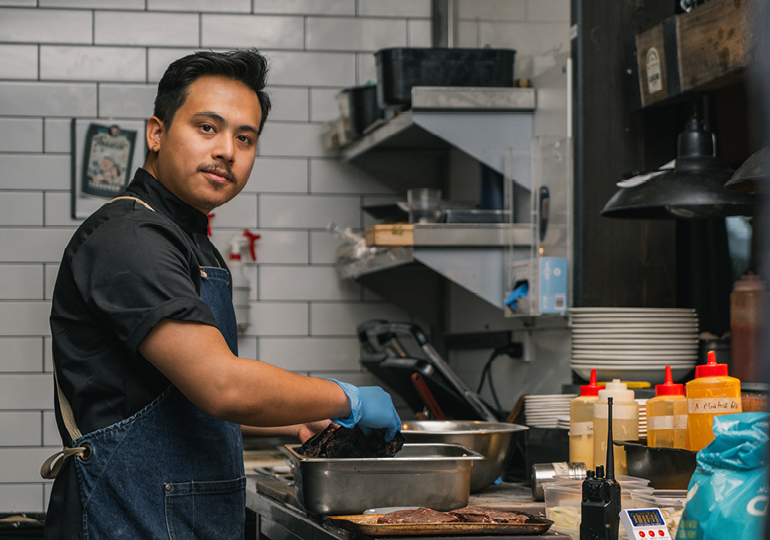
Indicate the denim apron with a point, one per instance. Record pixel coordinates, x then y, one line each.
169 471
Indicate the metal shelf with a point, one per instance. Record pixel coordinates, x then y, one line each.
471 255
494 126
494 121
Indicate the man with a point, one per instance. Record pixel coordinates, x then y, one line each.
150 390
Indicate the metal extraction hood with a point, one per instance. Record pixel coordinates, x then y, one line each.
693 189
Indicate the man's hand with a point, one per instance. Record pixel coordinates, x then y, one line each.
371 408
305 431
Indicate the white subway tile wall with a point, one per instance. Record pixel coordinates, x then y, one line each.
64 59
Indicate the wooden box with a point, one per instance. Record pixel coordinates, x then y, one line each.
395 234
705 48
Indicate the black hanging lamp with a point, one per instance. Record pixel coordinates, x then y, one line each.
693 189
753 176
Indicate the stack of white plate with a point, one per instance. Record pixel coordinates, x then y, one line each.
634 344
642 418
545 410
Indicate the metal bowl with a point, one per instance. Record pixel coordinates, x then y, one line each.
490 439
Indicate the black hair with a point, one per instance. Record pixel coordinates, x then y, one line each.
247 66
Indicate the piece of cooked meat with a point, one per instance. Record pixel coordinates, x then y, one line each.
417 516
338 442
479 514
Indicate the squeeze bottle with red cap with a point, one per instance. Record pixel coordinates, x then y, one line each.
625 422
581 423
667 415
711 393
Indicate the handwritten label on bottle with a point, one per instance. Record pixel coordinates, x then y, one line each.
714 405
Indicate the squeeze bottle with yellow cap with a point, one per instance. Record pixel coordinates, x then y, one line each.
711 393
625 422
667 415
581 423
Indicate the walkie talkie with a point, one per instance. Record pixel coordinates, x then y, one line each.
600 509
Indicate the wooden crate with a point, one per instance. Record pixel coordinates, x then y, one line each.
705 48
396 234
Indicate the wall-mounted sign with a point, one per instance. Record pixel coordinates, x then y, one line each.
104 160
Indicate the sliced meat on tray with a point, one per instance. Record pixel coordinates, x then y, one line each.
339 442
479 514
416 516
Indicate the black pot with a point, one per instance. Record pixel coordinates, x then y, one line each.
665 468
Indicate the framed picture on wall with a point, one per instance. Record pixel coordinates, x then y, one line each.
105 156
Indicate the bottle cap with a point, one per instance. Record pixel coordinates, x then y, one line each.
591 389
749 282
668 388
617 390
711 369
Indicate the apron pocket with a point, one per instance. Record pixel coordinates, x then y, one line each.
205 509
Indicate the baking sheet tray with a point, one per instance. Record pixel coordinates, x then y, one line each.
367 524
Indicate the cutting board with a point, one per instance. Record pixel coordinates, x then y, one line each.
390 235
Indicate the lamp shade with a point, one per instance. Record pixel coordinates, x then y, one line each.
693 189
753 176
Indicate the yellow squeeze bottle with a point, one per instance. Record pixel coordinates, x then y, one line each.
581 423
711 393
667 415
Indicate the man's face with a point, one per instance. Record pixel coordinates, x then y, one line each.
206 155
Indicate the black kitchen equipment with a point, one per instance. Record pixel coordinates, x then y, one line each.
363 110
393 351
399 69
665 468
22 525
693 189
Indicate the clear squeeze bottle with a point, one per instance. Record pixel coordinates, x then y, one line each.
711 393
625 422
581 423
667 415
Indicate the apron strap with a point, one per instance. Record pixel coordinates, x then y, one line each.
137 199
53 464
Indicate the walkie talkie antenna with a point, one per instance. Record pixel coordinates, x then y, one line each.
610 475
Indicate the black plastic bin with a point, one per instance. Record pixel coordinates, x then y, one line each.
363 108
399 69
21 525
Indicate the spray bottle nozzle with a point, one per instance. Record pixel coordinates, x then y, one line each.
252 238
241 241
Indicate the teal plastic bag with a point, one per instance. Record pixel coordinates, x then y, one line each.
728 491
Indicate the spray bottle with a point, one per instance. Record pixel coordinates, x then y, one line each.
241 285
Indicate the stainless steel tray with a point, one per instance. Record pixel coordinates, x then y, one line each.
436 476
367 524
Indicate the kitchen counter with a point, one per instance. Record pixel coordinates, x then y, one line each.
279 517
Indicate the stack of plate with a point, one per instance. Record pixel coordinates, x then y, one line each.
634 344
642 418
544 411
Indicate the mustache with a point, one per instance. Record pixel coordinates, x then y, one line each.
221 169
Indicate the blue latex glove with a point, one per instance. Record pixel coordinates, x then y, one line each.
371 408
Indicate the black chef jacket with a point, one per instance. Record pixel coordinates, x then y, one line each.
126 269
